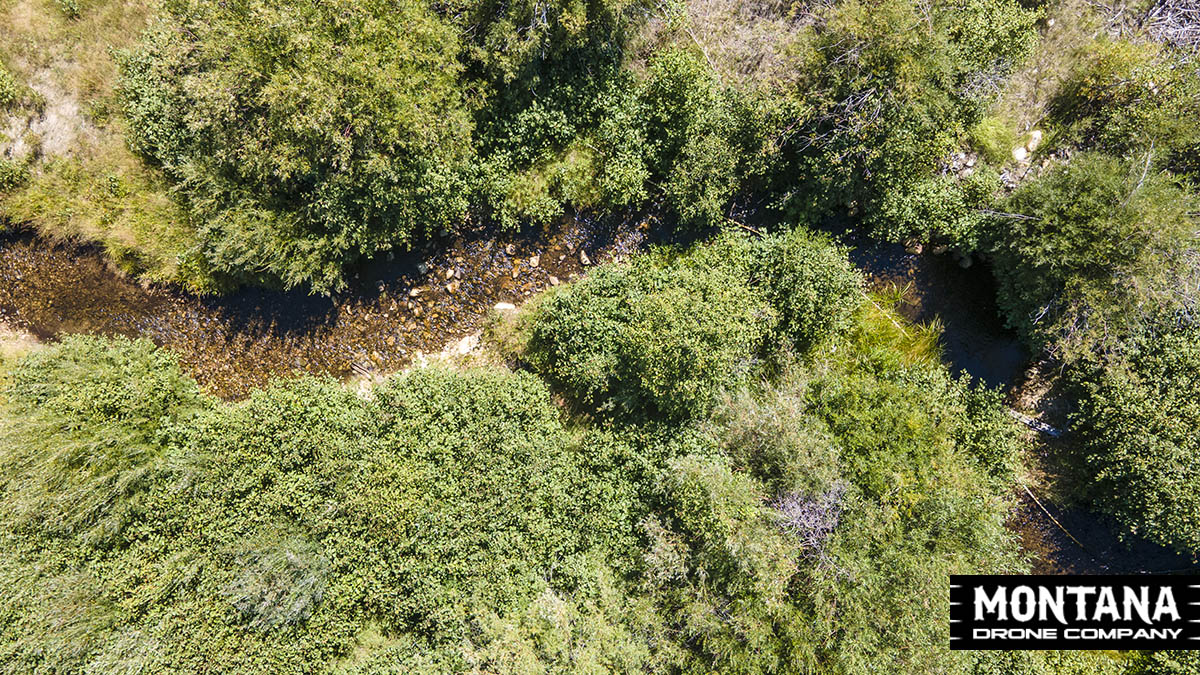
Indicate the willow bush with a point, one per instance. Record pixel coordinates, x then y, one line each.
304 137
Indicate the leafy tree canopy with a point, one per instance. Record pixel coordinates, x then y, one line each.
304 136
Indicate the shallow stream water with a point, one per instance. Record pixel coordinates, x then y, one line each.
233 344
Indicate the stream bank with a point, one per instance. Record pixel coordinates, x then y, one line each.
1060 535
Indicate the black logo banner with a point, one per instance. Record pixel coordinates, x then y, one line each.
1074 612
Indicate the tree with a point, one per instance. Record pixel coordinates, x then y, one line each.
304 136
1093 250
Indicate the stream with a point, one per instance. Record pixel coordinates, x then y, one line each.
1060 539
419 302
392 312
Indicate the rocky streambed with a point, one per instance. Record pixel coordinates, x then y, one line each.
393 311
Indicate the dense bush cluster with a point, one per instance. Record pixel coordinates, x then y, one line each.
807 280
664 336
1102 246
306 138
650 340
941 209
9 91
893 86
725 458
1094 250
457 521
153 530
88 423
1098 262
1138 421
1134 99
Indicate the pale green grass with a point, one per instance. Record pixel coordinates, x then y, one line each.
1068 26
882 336
85 184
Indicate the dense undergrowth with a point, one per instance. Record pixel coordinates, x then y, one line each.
299 140
1097 255
799 511
725 459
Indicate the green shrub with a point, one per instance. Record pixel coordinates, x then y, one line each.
1137 419
995 139
349 136
872 105
69 8
690 134
649 339
987 435
883 102
1092 250
552 90
1132 97
602 629
89 416
939 208
665 336
12 174
448 521
810 282
806 277
776 440
15 95
364 127
10 92
272 533
927 508
839 496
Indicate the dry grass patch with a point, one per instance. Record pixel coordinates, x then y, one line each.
14 343
1069 25
748 44
85 184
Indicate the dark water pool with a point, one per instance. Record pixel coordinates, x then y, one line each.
974 340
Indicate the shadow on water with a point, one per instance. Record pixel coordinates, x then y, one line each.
974 338
1060 539
1076 540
